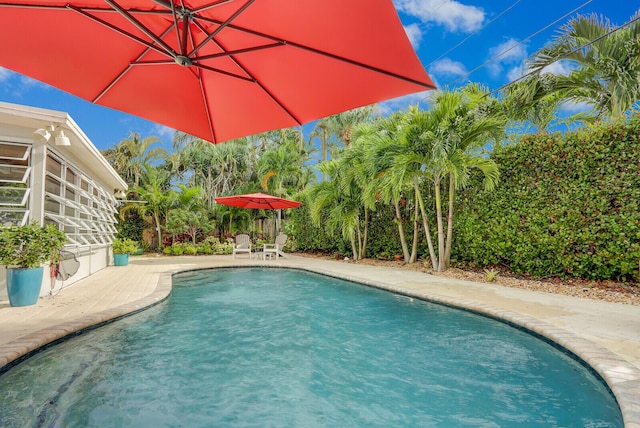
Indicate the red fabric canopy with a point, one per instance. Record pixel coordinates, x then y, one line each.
257 201
215 69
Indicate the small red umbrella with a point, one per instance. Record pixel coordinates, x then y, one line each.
215 69
257 201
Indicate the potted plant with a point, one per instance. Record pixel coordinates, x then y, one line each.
23 250
121 250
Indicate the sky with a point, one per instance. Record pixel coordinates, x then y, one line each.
457 41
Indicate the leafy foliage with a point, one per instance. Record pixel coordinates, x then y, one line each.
567 206
124 246
31 245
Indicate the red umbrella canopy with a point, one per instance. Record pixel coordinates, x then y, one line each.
258 201
215 69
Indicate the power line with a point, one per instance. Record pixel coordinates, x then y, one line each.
589 43
441 4
519 43
475 32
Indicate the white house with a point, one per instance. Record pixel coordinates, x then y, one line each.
50 172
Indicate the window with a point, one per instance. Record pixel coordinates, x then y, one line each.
15 174
77 204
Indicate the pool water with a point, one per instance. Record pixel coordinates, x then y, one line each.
259 347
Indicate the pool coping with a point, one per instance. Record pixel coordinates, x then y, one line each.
621 377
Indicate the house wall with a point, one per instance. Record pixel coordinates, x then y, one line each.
70 186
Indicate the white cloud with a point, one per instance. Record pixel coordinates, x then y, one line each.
414 33
507 52
4 74
402 103
516 72
163 132
571 107
448 67
559 68
452 14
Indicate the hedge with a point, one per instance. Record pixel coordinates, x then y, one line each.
566 206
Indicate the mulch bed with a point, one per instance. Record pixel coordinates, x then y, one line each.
610 291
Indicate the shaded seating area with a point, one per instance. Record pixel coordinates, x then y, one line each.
243 245
276 249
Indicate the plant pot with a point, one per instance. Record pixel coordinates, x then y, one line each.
120 259
23 285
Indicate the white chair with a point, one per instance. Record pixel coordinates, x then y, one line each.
243 245
276 248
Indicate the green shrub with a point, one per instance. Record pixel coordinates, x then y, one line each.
124 246
566 206
190 249
31 245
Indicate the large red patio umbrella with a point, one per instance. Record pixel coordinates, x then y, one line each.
215 69
257 201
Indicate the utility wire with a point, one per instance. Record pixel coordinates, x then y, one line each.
589 43
475 32
438 8
519 43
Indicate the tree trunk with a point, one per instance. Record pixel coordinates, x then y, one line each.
447 251
403 239
358 255
365 239
436 183
416 231
353 246
156 217
425 224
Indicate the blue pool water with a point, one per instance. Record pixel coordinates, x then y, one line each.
258 347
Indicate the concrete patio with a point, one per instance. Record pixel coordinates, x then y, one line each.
604 335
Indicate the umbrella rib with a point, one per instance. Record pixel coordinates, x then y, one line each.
226 73
323 53
185 20
88 8
237 52
116 29
210 5
221 27
123 72
141 27
253 79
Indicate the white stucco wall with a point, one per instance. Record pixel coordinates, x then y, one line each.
17 124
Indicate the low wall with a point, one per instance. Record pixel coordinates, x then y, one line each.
90 259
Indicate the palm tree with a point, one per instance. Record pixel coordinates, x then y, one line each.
282 170
342 124
407 156
218 169
607 61
534 103
131 157
322 130
383 145
158 198
337 204
464 120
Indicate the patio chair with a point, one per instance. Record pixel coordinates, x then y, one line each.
243 245
276 248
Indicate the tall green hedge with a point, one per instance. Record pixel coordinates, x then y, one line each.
566 206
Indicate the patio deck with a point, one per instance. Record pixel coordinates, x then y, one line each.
605 335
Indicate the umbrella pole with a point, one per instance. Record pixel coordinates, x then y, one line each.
275 225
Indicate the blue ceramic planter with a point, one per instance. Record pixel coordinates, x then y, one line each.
23 285
120 259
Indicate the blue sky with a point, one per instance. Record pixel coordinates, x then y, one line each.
483 41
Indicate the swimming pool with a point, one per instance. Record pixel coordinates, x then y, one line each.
275 347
